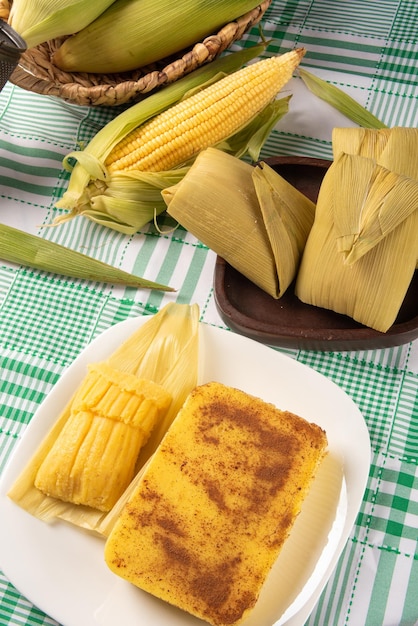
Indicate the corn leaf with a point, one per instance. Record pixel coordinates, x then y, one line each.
341 101
251 139
19 247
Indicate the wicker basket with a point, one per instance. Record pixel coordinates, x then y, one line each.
36 73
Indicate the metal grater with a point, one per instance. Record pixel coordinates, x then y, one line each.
11 47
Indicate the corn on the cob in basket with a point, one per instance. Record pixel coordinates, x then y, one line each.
38 21
118 178
135 33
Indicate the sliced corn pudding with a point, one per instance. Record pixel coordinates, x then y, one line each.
216 503
93 459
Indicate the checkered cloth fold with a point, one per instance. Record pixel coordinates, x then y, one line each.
369 48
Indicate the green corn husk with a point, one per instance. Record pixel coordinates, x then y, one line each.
38 21
127 201
250 216
22 248
361 253
164 350
136 33
340 100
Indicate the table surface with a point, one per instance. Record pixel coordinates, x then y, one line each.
368 48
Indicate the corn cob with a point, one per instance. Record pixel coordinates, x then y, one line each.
93 459
205 119
135 33
40 20
161 149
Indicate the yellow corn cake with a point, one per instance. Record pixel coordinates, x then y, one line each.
216 503
93 458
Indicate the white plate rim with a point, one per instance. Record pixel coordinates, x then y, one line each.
220 349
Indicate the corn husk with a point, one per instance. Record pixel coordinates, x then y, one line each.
365 142
163 350
340 100
361 253
251 217
22 248
127 201
393 148
149 30
38 21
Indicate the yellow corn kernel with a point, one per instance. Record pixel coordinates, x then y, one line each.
205 118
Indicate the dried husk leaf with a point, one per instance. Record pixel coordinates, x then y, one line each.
164 349
388 199
371 289
288 216
217 202
365 142
400 153
392 147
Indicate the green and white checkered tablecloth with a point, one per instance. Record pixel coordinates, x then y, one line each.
369 48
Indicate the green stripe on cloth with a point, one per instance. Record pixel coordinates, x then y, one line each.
398 67
352 17
392 597
404 26
115 311
64 316
15 148
27 187
288 12
290 144
16 610
404 436
374 389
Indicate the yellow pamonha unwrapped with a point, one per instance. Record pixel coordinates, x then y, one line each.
98 443
93 459
216 503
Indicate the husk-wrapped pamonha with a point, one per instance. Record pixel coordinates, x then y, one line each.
250 216
91 457
362 251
